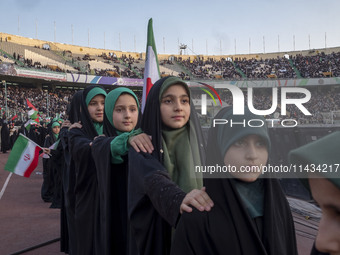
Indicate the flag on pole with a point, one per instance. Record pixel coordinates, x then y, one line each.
30 105
24 157
151 71
14 117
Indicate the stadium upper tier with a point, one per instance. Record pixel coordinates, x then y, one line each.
64 58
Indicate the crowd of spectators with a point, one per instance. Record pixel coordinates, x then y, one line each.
323 101
47 103
285 67
314 65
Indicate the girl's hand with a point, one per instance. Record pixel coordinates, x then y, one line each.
141 142
198 199
75 125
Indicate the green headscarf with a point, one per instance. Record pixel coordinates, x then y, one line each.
181 153
172 81
251 193
55 124
94 92
322 152
227 134
111 99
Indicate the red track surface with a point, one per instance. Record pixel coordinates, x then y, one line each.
26 221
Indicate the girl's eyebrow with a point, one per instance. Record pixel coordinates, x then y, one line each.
171 95
122 105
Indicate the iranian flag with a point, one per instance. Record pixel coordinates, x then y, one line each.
151 71
24 157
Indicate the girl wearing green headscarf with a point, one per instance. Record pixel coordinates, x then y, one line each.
51 171
110 151
322 159
81 136
164 184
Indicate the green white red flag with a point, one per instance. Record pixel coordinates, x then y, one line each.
151 71
24 157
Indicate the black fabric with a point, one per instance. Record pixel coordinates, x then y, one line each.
112 189
73 109
151 232
47 188
228 226
153 199
86 184
5 143
56 164
86 192
67 222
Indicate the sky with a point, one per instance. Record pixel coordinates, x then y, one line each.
216 27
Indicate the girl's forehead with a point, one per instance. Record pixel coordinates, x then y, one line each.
177 89
98 97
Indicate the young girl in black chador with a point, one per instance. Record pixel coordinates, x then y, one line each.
110 156
251 215
86 188
67 212
164 184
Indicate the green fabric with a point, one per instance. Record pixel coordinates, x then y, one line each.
172 81
228 135
322 152
55 124
181 155
120 145
98 127
56 136
94 92
252 196
111 99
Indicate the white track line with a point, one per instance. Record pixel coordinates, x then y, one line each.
5 185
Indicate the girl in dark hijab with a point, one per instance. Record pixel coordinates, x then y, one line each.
50 169
67 224
86 188
251 215
322 159
5 142
163 184
110 156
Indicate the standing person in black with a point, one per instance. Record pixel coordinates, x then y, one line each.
5 142
110 153
163 185
67 213
251 215
81 137
51 166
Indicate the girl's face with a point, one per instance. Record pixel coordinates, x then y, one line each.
56 129
125 113
247 156
175 107
327 195
96 108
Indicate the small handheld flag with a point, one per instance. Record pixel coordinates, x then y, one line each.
24 157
